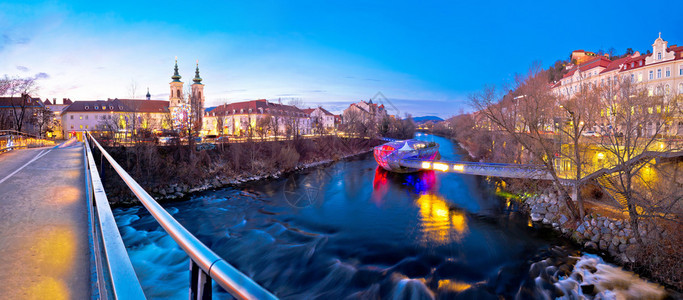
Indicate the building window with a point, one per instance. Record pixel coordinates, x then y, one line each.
86 117
668 72
680 88
667 90
633 77
640 77
72 117
651 75
80 117
659 55
632 65
86 126
80 126
640 63
680 71
659 73
97 107
72 127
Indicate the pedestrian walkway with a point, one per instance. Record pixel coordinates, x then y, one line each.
44 249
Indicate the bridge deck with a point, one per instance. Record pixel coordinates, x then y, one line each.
44 249
476 168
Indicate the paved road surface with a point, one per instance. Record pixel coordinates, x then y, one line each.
44 250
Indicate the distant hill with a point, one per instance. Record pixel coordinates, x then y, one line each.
425 119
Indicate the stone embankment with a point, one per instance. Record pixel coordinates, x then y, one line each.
594 232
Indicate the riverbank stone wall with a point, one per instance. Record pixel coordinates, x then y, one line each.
594 232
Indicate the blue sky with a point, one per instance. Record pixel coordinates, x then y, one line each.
424 57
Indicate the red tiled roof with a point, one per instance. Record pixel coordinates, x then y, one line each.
258 106
600 61
325 111
615 64
47 102
119 105
9 102
147 106
308 110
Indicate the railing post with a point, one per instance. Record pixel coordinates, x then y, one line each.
200 283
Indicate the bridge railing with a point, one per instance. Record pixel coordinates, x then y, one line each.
115 276
12 139
205 265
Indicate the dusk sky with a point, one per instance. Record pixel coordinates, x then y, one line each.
425 57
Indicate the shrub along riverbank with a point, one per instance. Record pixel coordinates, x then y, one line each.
171 172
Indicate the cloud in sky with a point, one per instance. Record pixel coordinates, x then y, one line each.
430 56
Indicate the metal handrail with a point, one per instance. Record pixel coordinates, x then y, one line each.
231 279
124 281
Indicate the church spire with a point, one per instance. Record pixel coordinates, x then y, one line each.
148 95
176 75
197 79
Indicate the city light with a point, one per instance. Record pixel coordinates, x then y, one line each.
459 168
426 165
440 167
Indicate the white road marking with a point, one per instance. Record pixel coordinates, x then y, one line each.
41 154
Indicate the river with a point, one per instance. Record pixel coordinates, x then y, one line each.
351 230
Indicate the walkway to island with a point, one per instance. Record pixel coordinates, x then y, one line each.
44 249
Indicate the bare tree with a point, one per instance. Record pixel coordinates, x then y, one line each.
18 90
263 126
42 118
526 115
132 89
633 124
576 114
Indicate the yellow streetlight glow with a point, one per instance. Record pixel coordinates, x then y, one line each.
426 165
441 167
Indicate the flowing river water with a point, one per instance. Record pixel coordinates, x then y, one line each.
351 230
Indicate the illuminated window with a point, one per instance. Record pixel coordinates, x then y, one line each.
80 126
80 117
86 126
640 77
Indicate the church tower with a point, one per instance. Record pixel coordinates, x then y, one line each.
198 90
176 97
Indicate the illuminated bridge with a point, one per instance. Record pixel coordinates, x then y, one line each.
478 168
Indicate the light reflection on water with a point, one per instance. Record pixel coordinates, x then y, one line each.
373 234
